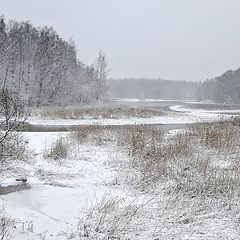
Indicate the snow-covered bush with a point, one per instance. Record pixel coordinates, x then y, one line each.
12 148
13 114
58 150
6 225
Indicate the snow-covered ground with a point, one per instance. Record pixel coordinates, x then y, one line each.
60 190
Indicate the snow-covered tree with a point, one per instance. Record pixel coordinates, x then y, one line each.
43 68
101 73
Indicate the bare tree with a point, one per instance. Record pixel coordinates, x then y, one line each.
101 73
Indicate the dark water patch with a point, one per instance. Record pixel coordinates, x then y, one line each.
14 188
230 113
49 128
64 128
212 106
165 105
156 105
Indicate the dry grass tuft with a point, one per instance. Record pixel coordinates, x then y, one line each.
109 219
95 134
88 133
214 135
58 150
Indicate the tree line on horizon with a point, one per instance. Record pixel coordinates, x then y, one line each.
143 88
224 89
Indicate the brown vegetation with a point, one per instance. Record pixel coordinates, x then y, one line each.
100 112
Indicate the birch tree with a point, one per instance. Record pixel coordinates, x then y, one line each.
101 73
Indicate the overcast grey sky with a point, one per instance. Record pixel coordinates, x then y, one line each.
171 39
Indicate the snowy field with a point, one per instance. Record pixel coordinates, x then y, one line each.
61 190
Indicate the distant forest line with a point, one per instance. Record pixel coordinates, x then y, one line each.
153 89
222 89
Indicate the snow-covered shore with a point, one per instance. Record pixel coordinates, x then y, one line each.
180 115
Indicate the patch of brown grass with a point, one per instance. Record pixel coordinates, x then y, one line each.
214 135
97 112
150 153
58 150
203 161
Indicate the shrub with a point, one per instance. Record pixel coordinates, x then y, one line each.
13 148
13 114
215 135
7 225
58 150
109 219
